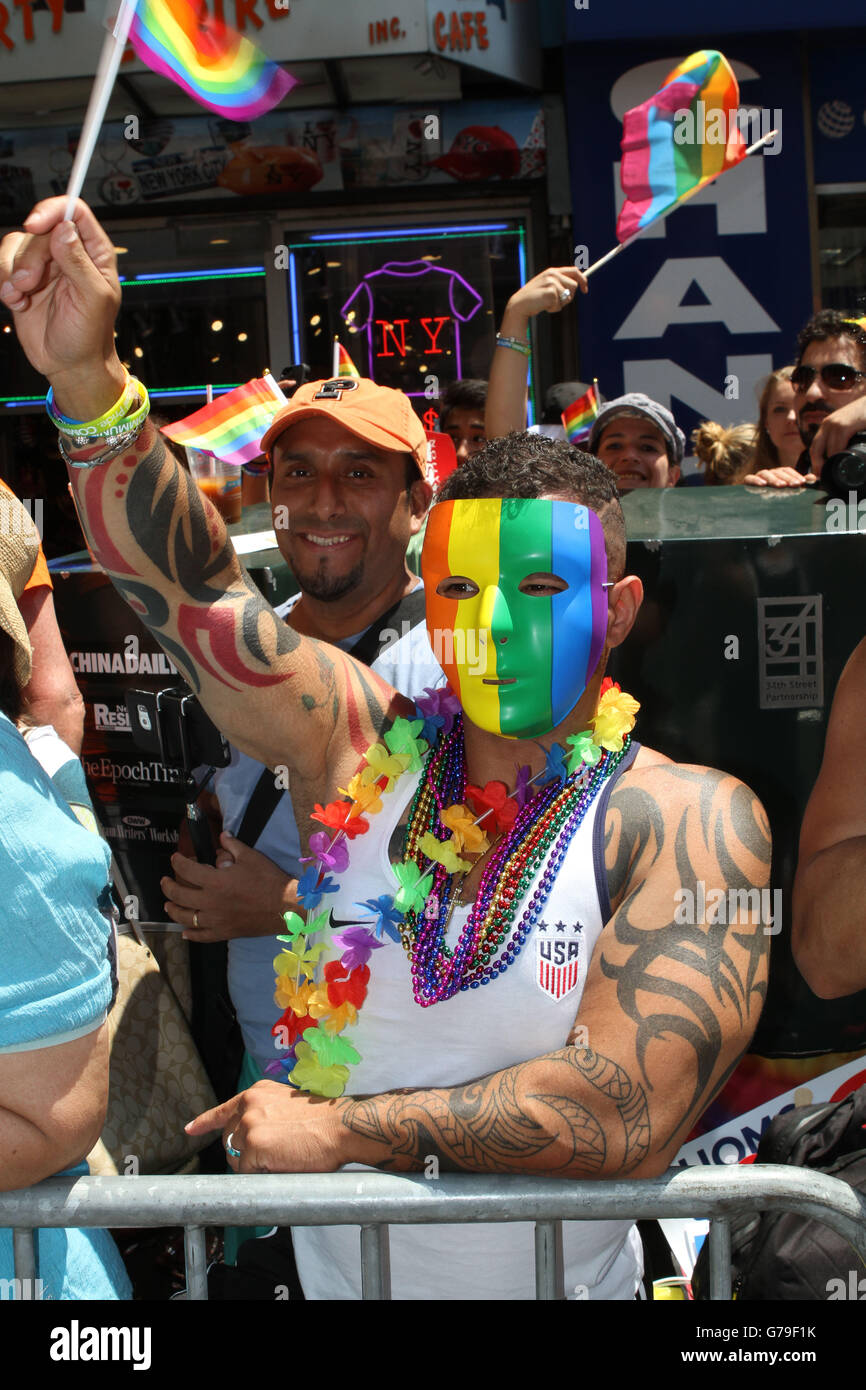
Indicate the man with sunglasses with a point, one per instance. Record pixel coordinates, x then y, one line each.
829 382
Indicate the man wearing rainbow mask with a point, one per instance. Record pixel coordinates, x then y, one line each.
550 1011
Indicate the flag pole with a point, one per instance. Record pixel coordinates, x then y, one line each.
274 388
596 265
335 358
109 62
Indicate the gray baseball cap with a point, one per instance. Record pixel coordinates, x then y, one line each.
635 403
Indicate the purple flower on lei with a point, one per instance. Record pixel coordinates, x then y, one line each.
386 915
521 791
330 856
281 1068
438 707
360 945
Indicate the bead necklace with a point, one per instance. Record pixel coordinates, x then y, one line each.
554 814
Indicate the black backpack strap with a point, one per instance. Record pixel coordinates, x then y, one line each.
377 638
261 806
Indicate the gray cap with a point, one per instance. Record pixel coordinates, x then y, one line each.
635 403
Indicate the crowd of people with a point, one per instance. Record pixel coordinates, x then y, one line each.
564 1027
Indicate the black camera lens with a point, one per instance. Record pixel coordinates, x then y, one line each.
845 472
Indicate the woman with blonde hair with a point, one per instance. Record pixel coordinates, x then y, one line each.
779 444
726 454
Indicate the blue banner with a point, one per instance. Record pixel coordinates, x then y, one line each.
699 309
838 108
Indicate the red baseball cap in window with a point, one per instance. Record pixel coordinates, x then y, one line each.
378 414
481 152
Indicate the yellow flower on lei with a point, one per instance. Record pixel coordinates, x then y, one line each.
294 995
366 797
464 832
444 852
295 963
614 718
333 1019
382 763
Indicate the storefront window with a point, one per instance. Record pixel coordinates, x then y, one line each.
415 308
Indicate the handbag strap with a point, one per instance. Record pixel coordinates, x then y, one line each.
265 796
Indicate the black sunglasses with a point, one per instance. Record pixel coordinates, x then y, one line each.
837 376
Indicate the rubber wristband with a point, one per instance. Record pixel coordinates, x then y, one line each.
86 435
117 412
515 344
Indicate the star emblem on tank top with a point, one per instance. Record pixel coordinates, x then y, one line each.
559 953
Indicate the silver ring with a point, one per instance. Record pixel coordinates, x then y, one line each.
564 296
195 920
232 1152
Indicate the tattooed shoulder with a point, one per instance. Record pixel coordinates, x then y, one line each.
679 810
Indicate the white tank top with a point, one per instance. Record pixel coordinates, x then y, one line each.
527 1012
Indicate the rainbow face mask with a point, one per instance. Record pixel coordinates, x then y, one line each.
518 662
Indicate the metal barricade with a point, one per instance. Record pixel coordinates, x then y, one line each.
374 1201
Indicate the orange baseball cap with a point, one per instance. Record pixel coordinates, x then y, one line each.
378 414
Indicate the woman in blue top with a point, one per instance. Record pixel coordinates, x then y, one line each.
55 971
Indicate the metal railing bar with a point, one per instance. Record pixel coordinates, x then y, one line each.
24 1253
336 1199
375 1262
549 1276
720 1259
195 1256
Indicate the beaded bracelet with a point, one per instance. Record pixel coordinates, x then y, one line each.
116 447
117 412
515 344
81 438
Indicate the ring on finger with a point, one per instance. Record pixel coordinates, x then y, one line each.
564 296
230 1150
195 920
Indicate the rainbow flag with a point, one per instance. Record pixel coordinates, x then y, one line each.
679 140
212 62
578 417
231 426
343 364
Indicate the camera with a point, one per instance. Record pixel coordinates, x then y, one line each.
172 725
845 472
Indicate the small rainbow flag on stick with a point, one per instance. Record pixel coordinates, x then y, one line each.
578 417
342 363
679 140
219 68
231 426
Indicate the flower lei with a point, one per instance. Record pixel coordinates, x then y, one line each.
317 1011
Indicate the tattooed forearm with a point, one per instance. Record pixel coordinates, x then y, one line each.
571 1113
696 976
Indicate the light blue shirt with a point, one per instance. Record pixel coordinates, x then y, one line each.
55 977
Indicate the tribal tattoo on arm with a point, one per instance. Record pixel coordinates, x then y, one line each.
673 995
569 1113
167 551
688 856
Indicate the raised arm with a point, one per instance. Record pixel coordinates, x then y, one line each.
284 699
506 390
670 1004
829 939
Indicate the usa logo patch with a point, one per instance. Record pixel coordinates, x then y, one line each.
560 954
